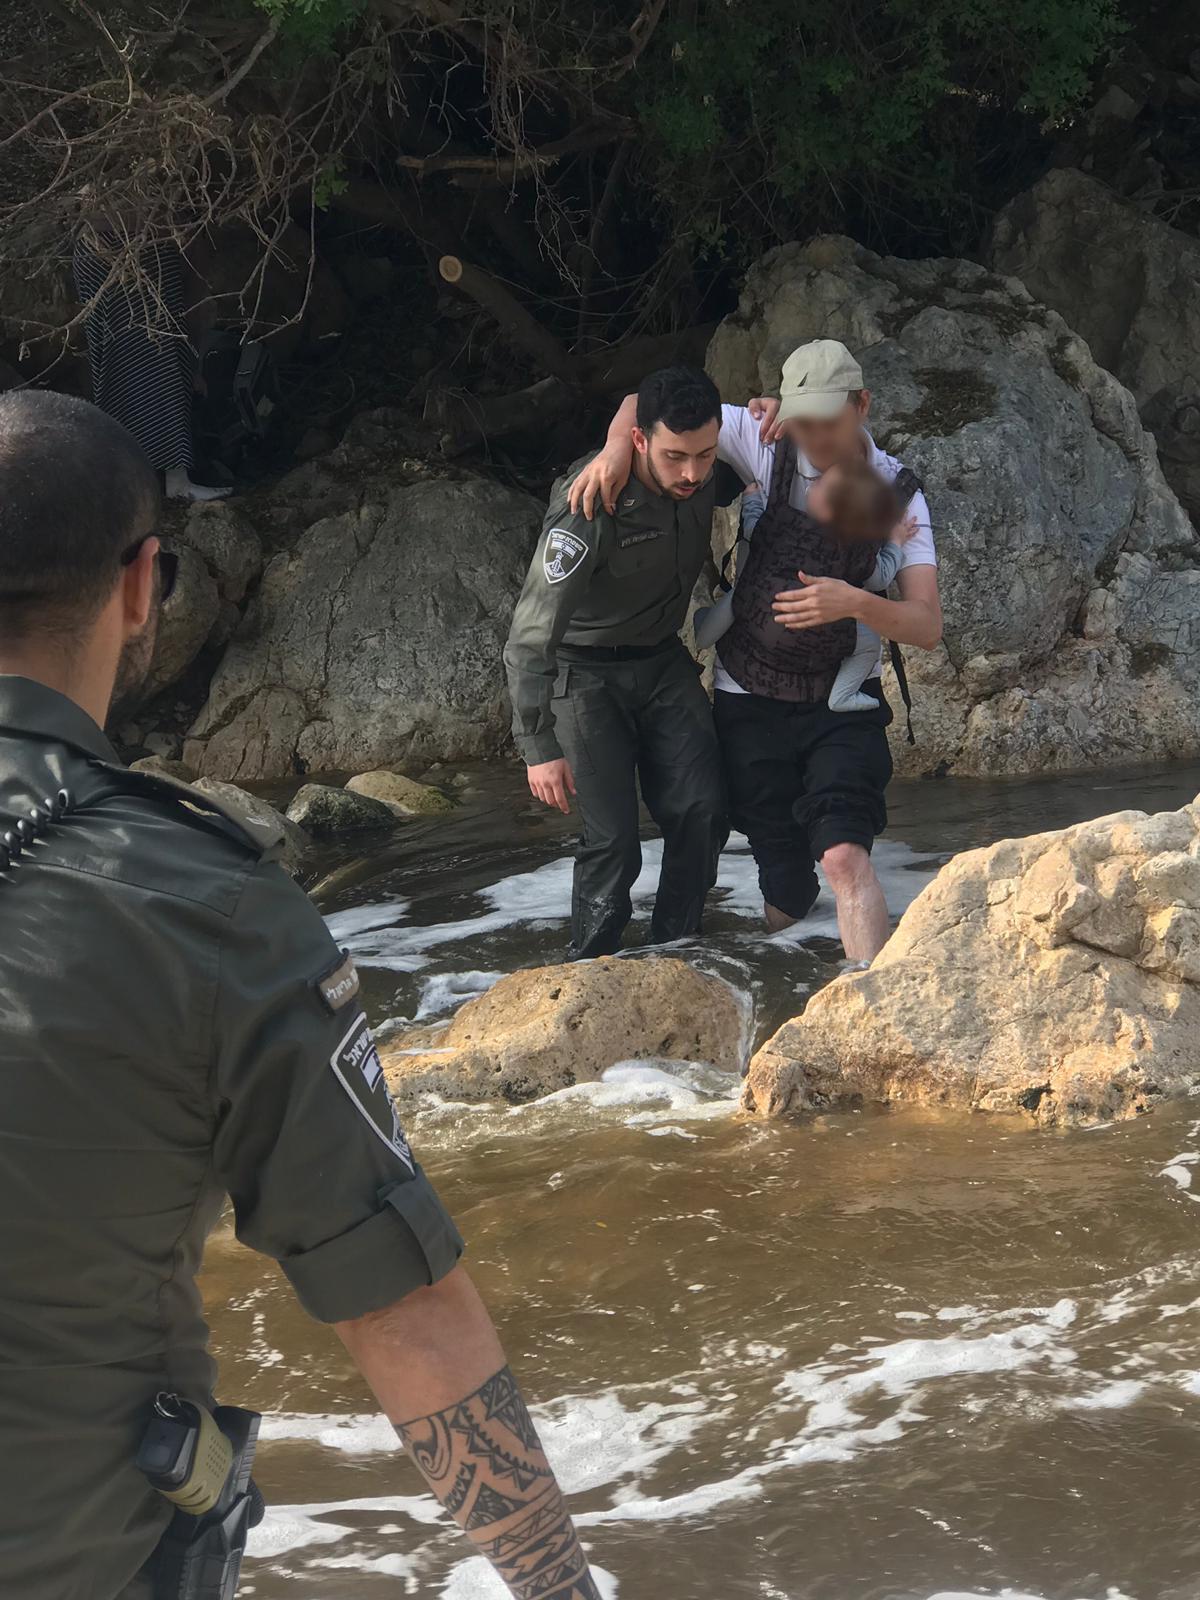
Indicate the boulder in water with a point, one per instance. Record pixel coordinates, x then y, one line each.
551 1027
325 811
1057 977
404 797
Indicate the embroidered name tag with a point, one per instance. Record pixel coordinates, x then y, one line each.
339 986
624 540
357 1066
563 553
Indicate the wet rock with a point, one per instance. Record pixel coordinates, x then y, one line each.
1126 282
375 636
295 842
186 622
325 811
404 797
164 766
545 1029
1070 574
1055 977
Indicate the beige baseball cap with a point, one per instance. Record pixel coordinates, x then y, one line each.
817 380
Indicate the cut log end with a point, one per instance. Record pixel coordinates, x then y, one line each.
451 269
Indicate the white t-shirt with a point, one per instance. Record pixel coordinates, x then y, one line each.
739 444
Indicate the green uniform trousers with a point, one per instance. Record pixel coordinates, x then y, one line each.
621 721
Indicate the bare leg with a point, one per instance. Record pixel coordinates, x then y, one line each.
862 910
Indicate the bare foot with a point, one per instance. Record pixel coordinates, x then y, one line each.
777 920
180 487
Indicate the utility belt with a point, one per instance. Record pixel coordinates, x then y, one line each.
200 1461
583 654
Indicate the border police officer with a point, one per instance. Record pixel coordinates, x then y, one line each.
604 692
176 1025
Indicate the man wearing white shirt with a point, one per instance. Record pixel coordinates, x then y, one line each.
807 784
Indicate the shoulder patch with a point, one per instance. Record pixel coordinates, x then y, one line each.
358 1069
338 985
563 552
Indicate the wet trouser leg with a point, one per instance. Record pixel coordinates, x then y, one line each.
597 729
679 763
803 778
764 774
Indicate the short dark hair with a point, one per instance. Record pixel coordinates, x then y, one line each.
75 493
681 398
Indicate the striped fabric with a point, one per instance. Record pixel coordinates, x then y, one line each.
142 363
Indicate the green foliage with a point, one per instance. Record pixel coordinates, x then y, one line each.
854 104
314 27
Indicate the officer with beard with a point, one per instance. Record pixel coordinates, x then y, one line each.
605 695
177 1026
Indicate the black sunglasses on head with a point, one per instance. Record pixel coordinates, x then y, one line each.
168 565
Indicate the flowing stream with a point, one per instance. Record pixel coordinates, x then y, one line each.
869 1357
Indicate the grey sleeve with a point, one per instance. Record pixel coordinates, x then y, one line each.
308 1145
558 577
713 622
887 565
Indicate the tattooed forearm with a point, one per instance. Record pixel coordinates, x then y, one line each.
484 1461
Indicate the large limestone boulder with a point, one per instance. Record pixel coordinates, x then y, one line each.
1070 574
551 1027
1126 282
403 796
374 638
1057 977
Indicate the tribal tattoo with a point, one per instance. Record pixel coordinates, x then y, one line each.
484 1461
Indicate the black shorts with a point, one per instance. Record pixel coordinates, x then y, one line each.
802 778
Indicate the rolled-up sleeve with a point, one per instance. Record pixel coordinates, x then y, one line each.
308 1145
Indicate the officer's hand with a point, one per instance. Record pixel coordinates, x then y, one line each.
764 409
602 479
552 782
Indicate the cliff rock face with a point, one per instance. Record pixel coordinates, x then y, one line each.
374 638
1070 574
1128 284
551 1027
1056 977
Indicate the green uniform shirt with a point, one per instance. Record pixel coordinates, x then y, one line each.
176 1025
625 579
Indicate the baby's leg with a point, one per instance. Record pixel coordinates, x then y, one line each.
853 673
711 622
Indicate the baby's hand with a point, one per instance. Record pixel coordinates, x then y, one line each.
904 530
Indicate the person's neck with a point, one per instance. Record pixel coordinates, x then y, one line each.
80 678
641 471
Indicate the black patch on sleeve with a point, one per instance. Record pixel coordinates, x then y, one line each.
338 985
563 552
358 1069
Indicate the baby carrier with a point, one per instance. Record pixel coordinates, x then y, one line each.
766 658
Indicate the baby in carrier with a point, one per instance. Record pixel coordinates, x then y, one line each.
857 505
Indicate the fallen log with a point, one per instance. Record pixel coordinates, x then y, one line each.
466 421
522 328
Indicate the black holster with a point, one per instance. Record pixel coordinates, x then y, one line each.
200 1558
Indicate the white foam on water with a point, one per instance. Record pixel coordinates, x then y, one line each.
1112 1396
1178 1174
595 1440
365 1433
1013 1594
475 1580
288 1528
380 935
446 991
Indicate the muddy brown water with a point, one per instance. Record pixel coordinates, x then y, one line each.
873 1357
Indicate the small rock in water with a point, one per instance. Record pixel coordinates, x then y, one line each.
404 796
163 766
262 813
324 811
